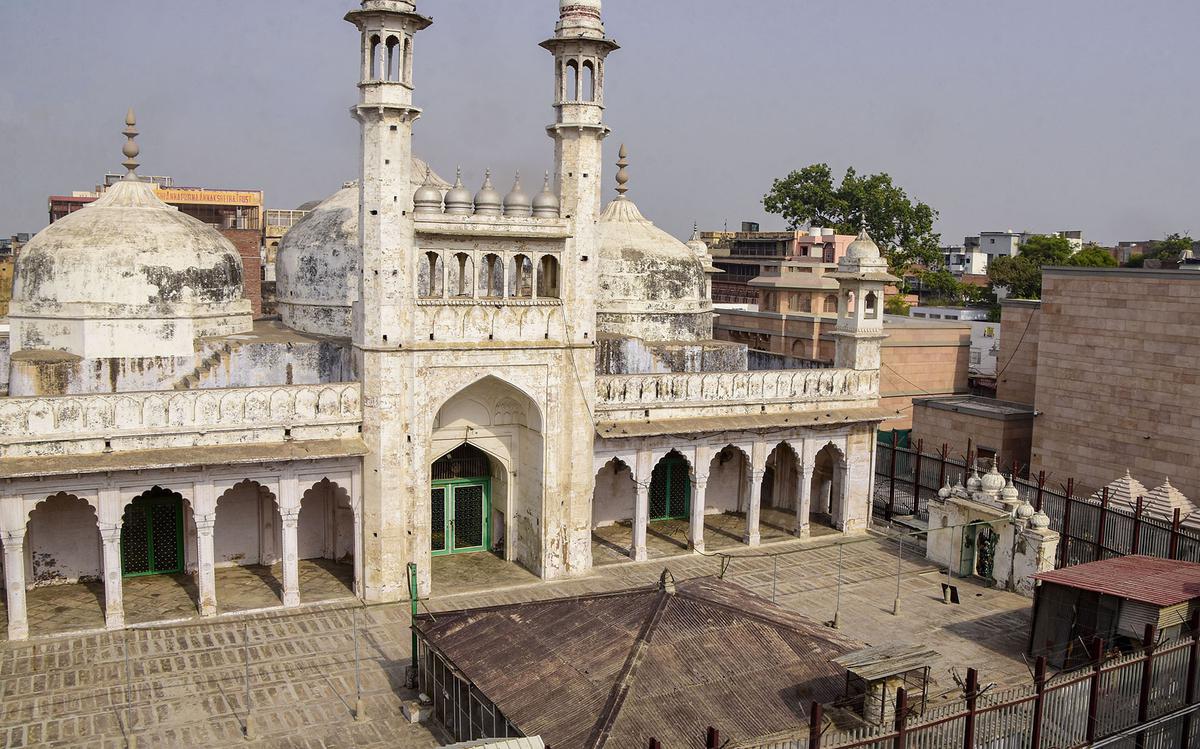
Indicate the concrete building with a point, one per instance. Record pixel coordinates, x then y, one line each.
1106 362
985 335
503 374
961 260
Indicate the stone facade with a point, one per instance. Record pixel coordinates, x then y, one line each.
1016 368
511 327
994 429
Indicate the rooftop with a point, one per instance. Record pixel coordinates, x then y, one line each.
1158 582
666 660
978 405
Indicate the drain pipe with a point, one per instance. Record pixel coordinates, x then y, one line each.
412 599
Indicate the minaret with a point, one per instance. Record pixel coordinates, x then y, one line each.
385 113
579 48
862 275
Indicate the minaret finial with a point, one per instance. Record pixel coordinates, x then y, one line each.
130 149
622 171
546 183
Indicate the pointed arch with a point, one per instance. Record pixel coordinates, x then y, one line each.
62 535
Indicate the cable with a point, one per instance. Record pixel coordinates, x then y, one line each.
1016 348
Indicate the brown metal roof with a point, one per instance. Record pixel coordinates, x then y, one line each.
615 669
1152 580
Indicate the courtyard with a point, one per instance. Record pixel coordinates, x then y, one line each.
185 684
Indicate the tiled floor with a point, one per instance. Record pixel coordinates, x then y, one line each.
157 598
184 685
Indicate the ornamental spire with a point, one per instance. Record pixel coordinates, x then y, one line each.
623 172
130 149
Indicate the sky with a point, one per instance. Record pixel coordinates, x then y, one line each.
1032 115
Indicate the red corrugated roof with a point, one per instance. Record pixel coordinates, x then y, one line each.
1152 580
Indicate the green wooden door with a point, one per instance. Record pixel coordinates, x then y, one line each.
152 535
670 489
460 516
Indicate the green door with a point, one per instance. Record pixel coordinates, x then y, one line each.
152 535
670 489
460 515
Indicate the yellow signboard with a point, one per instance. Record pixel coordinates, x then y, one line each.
209 197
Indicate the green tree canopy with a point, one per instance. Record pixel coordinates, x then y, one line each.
1023 274
1171 248
1093 256
902 227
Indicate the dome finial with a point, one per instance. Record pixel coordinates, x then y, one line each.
622 171
130 149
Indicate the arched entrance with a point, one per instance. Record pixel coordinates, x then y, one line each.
460 502
827 486
152 532
670 488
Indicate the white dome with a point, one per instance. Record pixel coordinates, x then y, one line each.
316 268
127 276
651 285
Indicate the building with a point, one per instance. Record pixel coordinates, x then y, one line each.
1106 362
747 255
960 260
985 335
632 677
237 214
453 373
1114 600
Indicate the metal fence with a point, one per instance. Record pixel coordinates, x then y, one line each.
908 478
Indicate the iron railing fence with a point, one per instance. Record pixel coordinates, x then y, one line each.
906 479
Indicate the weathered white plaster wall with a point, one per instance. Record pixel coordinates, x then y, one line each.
62 542
247 529
614 496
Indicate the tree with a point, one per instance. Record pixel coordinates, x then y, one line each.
1171 248
902 227
1022 274
896 305
1093 256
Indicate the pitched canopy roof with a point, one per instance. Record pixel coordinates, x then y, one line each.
666 661
1152 580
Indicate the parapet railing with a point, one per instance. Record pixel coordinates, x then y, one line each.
753 387
27 421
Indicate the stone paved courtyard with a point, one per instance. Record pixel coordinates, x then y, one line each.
185 684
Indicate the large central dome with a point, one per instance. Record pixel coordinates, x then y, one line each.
127 276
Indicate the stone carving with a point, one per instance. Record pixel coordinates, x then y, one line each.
772 385
134 412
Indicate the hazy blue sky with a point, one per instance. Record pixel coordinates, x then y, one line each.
1022 114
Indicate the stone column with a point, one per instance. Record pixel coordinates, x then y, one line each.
642 474
206 578
356 507
14 583
114 602
754 509
803 501
840 520
291 561
696 527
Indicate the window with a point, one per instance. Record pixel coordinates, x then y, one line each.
989 332
871 303
521 277
547 280
491 276
976 357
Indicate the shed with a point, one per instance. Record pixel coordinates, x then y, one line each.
872 674
1113 599
615 669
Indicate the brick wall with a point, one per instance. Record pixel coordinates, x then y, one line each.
247 243
920 360
1016 366
1117 376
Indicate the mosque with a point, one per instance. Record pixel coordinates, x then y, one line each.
453 373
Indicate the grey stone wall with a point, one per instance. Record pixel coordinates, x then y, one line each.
621 355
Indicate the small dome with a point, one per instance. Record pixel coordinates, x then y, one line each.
863 248
458 200
1009 492
974 483
545 204
428 199
992 482
487 201
945 491
1025 511
517 203
697 244
1039 521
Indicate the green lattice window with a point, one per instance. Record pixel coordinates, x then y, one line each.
670 489
152 535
